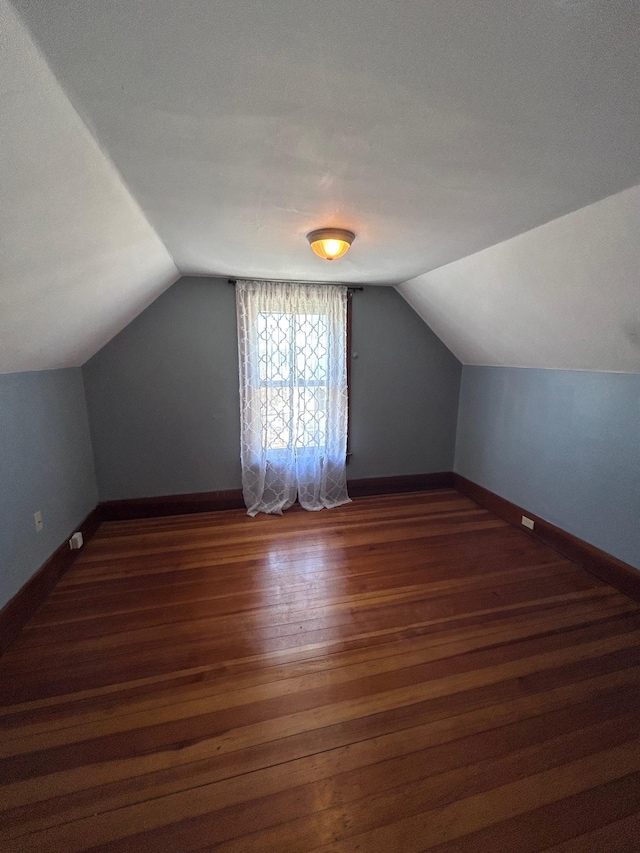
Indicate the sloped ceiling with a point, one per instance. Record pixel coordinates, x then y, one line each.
78 259
433 130
564 295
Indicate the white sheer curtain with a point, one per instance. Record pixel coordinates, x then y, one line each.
292 343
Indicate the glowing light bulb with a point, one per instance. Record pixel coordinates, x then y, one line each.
332 247
330 243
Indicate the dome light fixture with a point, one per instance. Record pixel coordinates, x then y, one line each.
331 243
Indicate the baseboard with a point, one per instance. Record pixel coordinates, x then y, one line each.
608 568
28 599
401 483
155 507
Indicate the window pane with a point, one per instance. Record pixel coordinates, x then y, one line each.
311 416
276 417
311 347
293 369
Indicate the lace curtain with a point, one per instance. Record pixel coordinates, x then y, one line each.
293 394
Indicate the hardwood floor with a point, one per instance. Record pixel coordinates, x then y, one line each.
406 673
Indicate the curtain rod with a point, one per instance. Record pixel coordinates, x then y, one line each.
288 281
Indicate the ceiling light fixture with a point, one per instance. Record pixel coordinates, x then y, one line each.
331 243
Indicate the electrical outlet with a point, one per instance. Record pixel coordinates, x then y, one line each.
76 541
37 517
527 522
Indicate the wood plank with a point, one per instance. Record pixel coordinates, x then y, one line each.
27 600
405 672
601 564
524 720
619 836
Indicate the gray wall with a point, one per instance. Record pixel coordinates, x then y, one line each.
46 464
563 444
404 390
164 407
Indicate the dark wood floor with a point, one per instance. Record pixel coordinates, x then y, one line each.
405 673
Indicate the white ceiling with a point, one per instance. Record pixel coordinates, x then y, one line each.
219 133
564 295
431 129
78 259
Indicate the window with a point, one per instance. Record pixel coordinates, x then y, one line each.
293 351
292 343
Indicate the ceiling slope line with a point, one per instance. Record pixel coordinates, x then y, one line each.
91 130
78 257
561 296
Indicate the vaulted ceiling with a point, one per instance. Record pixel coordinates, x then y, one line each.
145 139
565 295
78 259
